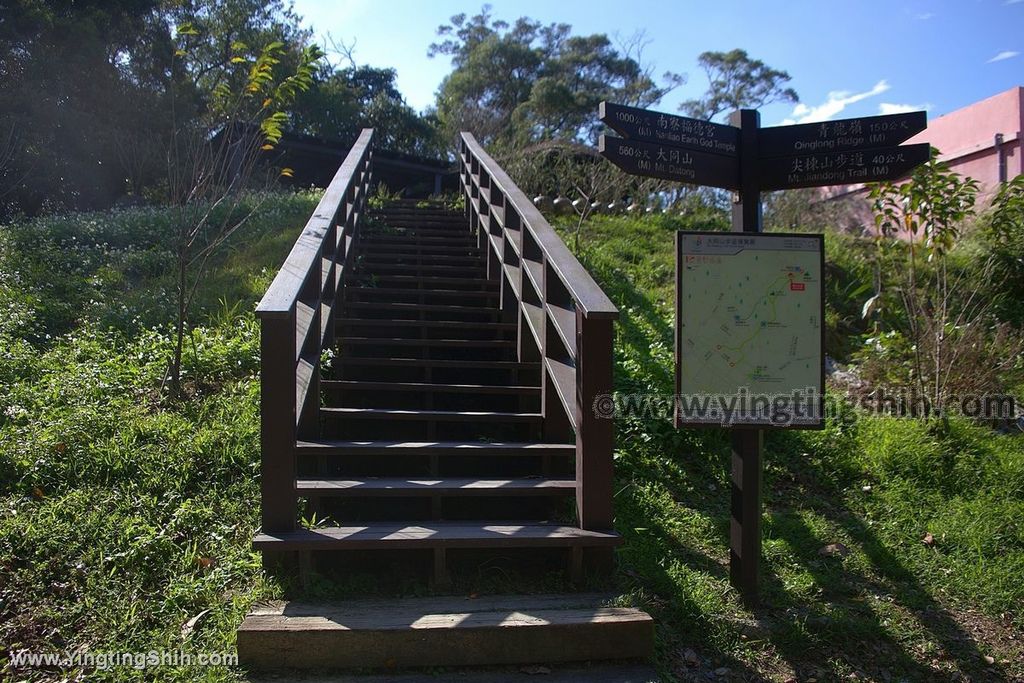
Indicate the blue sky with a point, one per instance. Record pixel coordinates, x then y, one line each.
846 58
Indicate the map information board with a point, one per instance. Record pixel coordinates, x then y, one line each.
749 329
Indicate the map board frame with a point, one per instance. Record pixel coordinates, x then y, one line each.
819 422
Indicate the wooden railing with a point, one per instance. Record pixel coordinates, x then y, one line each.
565 322
297 324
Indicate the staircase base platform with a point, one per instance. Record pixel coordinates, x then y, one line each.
442 631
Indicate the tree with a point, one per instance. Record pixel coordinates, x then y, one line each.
62 66
213 157
86 87
525 82
735 81
341 102
945 317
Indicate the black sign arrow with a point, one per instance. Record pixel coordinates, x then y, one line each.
679 131
868 132
671 163
841 168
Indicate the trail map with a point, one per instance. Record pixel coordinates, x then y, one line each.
749 328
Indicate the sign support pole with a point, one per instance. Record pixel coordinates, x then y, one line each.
749 159
747 443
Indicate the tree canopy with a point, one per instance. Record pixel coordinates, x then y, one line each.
91 91
735 81
526 82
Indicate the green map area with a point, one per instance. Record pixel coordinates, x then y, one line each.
749 314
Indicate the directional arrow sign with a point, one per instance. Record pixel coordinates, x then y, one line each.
671 163
841 168
838 136
679 131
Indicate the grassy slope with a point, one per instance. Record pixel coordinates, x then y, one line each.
893 607
123 516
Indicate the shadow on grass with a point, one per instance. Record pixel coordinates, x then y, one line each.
831 632
850 591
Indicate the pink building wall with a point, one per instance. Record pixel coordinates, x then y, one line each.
967 141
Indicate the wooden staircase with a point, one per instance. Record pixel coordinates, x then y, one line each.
452 418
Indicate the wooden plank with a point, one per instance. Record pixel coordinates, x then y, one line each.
417 237
535 272
563 377
441 363
840 135
438 324
563 320
432 415
284 290
595 433
458 293
535 322
577 280
480 282
669 129
400 536
428 387
410 307
428 487
475 448
277 424
469 248
655 160
452 631
841 168
433 343
373 257
473 271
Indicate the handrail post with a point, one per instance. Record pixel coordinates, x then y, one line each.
595 433
277 424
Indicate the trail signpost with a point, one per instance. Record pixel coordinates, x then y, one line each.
750 307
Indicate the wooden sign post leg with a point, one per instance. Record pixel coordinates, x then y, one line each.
747 444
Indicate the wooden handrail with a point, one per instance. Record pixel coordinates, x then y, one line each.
297 324
588 295
564 320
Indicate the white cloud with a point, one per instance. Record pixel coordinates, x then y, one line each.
925 16
886 108
1012 2
1005 54
835 103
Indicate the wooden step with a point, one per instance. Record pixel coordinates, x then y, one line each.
440 363
416 325
453 225
448 631
396 306
371 258
418 236
392 291
430 343
498 449
431 534
372 487
474 270
407 249
429 387
429 415
437 281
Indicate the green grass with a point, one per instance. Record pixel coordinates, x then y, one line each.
125 515
890 607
